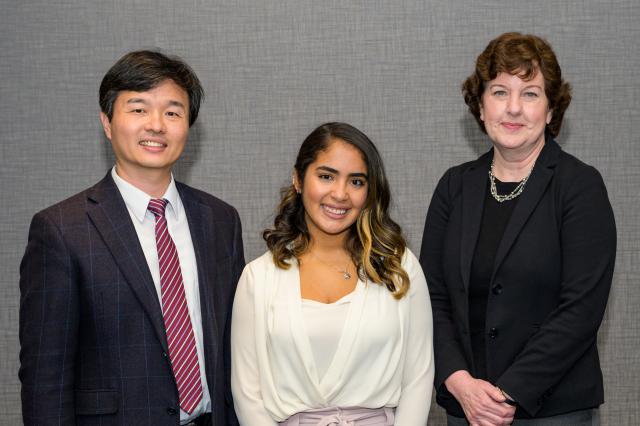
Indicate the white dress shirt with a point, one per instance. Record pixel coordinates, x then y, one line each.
143 220
384 355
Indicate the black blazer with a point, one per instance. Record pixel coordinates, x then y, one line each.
549 286
93 343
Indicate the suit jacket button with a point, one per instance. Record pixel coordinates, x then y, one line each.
493 332
496 289
172 411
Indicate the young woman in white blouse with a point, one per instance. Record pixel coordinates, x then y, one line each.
333 326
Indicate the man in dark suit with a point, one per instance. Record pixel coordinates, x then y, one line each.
127 287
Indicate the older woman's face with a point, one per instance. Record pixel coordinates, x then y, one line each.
515 112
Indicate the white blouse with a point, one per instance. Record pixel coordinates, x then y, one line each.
323 324
384 356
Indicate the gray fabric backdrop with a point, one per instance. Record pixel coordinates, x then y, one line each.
272 71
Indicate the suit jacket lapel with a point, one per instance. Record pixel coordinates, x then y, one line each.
474 187
109 215
201 227
532 194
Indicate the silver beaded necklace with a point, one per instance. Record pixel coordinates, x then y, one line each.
513 194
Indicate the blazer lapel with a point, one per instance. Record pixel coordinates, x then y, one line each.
474 187
536 185
201 228
109 215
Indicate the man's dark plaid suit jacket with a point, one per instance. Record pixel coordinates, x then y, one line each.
93 344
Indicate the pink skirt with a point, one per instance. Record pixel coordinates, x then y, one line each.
342 417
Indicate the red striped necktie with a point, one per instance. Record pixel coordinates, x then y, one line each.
182 342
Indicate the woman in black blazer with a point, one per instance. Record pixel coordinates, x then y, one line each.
519 248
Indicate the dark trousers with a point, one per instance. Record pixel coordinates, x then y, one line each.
590 417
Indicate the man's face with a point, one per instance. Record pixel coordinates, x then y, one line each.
148 131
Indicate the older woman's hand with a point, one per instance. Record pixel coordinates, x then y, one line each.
483 403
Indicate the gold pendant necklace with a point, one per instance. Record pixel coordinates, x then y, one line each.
345 272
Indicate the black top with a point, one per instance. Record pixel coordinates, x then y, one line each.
495 217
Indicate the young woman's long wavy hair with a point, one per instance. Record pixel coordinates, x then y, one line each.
375 241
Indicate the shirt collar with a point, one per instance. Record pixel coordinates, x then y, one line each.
137 200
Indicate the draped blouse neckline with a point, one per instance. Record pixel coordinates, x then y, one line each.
327 387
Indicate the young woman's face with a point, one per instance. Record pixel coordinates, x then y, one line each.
334 190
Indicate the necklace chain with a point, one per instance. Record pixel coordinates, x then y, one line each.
513 194
345 272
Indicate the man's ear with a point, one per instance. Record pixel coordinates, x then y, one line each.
106 124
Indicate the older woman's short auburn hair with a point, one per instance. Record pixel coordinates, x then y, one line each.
523 55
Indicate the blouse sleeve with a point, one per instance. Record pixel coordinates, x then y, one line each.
245 374
417 379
